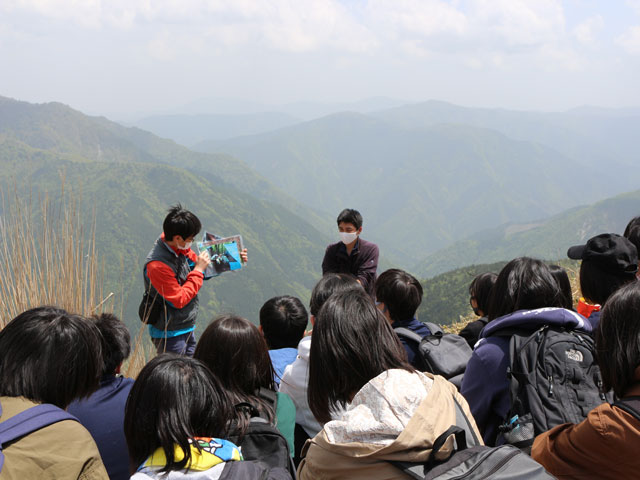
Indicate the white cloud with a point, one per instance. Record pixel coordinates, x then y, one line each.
585 31
630 40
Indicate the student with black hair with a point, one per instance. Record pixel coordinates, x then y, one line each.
608 262
283 321
176 425
605 444
521 299
391 411
236 352
174 273
398 296
479 293
296 376
49 356
562 277
632 233
102 413
352 254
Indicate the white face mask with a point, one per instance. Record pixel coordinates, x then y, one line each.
347 238
187 246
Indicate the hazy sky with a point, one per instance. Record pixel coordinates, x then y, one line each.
119 57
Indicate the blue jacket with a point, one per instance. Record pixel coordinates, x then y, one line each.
280 358
421 329
594 319
485 385
103 415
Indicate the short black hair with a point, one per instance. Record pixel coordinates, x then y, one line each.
283 320
401 293
329 284
632 232
561 276
524 284
352 343
49 355
180 222
116 341
174 399
480 290
349 215
597 284
618 339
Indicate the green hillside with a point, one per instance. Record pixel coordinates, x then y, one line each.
56 128
445 300
129 187
545 239
419 189
593 137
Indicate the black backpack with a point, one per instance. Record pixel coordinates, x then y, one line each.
554 379
263 441
470 460
445 354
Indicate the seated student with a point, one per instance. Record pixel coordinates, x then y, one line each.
236 352
398 296
103 412
561 276
605 444
296 376
632 233
523 284
352 254
49 356
176 423
282 322
479 291
608 262
391 410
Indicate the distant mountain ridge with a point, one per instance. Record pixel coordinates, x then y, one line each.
419 188
546 239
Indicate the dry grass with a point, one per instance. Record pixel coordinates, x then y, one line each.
48 256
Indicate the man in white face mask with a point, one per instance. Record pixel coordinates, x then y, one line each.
352 254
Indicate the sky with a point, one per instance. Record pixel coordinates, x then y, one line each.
135 57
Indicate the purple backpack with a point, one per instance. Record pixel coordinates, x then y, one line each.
29 421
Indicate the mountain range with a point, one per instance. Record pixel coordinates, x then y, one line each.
129 178
423 185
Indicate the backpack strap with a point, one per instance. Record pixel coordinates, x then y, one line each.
631 405
434 328
29 421
270 397
408 334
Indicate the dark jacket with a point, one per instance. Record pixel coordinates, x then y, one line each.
362 263
485 384
411 347
471 333
176 318
103 415
602 446
594 319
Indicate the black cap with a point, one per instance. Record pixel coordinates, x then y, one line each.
609 251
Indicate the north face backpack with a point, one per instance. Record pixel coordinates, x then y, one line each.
29 421
263 441
554 379
470 460
441 353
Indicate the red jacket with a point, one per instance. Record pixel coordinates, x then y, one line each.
164 280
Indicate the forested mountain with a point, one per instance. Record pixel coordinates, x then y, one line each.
191 129
545 239
129 178
419 188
